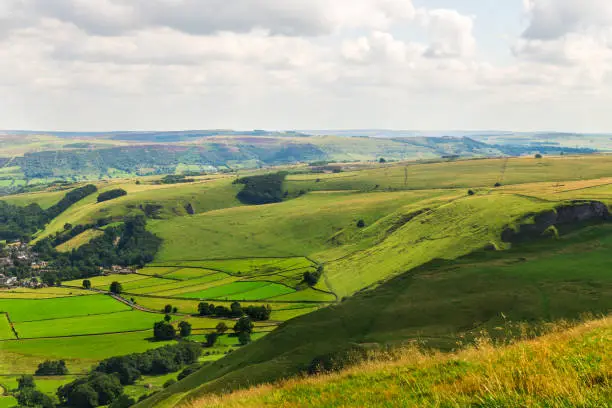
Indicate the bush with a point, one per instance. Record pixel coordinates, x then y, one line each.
111 194
188 371
31 397
123 402
184 329
361 224
116 288
264 189
211 339
538 156
49 368
244 338
337 361
471 192
170 382
163 331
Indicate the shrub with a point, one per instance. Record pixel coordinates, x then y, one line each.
170 382
361 224
471 192
163 331
116 288
538 156
337 361
52 368
111 194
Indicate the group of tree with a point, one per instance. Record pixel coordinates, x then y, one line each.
70 231
170 309
311 278
111 194
242 329
164 330
176 179
235 310
50 368
104 385
69 199
128 244
19 223
262 189
29 396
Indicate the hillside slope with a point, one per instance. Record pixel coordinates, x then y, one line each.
437 305
566 368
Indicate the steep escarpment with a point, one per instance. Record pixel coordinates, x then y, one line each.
577 212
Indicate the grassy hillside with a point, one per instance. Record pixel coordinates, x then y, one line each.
569 367
437 305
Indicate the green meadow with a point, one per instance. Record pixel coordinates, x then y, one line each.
22 310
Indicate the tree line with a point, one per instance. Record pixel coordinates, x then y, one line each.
235 310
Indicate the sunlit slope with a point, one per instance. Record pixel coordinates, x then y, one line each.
201 195
566 368
459 174
438 305
298 227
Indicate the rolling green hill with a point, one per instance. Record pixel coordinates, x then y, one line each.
436 305
432 252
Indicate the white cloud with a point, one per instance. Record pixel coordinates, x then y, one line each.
285 63
451 33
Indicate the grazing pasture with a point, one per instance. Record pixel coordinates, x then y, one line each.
84 325
6 332
29 310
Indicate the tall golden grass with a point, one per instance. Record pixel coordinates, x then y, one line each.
568 367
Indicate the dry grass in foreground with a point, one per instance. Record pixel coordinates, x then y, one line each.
570 367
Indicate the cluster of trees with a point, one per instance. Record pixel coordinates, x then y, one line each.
21 222
111 194
176 179
70 198
29 396
311 278
129 244
104 385
242 329
164 330
48 368
235 310
262 189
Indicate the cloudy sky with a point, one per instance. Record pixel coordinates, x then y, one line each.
306 64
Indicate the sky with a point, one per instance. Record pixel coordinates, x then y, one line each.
98 65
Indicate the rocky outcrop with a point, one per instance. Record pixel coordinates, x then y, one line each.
574 213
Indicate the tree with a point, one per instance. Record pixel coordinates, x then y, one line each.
123 401
382 160
49 368
498 184
236 309
67 226
211 339
184 329
167 318
221 328
106 386
244 338
203 309
116 288
538 156
163 331
244 325
361 224
83 396
31 397
175 309
167 309
471 192
170 382
25 381
87 284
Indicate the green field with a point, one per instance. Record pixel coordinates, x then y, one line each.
241 291
21 310
84 325
42 293
6 333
